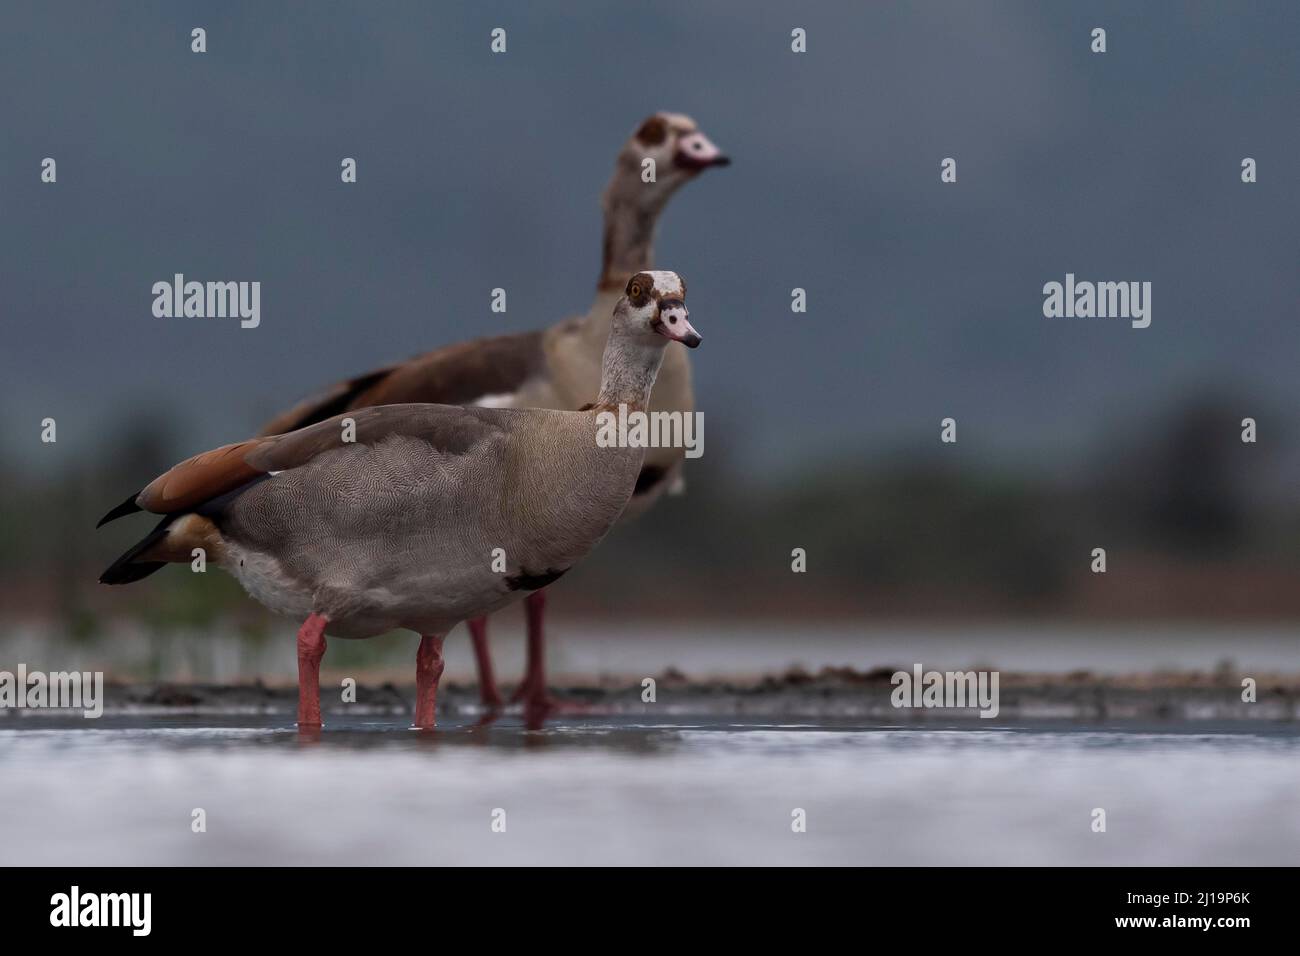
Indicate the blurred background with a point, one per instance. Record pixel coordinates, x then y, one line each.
478 171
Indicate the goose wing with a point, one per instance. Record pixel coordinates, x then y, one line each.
226 470
454 375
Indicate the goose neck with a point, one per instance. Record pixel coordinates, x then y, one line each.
628 371
630 222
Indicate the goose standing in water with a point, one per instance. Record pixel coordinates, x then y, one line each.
390 516
559 367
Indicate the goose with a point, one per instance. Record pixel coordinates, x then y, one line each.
393 516
558 367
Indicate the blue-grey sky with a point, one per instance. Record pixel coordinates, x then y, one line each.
479 170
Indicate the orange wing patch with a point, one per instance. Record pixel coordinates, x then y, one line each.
200 479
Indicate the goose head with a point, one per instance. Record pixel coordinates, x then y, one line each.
680 151
653 308
633 199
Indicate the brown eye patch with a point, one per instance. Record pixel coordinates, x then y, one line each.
653 131
639 289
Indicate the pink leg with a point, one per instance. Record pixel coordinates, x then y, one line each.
538 703
311 648
428 671
487 682
533 687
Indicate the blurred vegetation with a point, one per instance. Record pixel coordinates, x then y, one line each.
892 532
1174 498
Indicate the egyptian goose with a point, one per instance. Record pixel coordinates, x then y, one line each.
559 367
393 516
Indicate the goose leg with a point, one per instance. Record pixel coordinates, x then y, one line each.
428 671
538 703
311 648
488 694
532 689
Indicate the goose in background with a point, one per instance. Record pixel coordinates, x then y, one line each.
558 367
393 521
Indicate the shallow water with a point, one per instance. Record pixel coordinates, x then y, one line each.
621 790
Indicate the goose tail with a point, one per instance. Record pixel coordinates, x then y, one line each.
126 569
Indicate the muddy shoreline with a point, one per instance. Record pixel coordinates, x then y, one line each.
832 692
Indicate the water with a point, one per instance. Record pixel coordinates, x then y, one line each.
622 790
